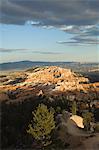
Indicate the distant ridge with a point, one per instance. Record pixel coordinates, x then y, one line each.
27 64
21 65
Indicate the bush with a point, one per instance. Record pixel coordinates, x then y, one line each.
97 127
87 118
74 108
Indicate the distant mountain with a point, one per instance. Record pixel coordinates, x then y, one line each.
16 65
21 65
27 64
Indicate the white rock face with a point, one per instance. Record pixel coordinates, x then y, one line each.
78 120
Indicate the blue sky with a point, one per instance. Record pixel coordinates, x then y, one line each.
49 31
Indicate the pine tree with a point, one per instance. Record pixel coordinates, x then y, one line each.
42 124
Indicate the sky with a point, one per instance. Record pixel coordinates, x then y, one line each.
49 30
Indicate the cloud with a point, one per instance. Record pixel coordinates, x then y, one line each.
79 40
46 52
77 17
51 53
50 12
90 30
3 50
82 35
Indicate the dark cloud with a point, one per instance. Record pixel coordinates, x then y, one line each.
50 12
79 17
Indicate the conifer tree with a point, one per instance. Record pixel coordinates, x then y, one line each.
42 124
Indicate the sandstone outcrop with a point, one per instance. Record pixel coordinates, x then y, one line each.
52 81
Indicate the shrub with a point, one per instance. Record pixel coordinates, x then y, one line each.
97 127
87 118
74 108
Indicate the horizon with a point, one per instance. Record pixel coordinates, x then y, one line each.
82 62
49 31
